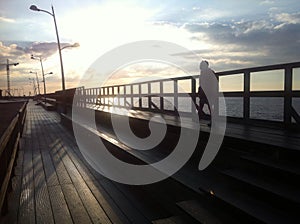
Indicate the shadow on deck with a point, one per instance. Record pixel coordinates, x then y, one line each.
54 184
246 183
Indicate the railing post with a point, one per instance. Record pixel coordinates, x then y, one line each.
217 103
246 103
131 97
140 96
175 95
118 96
193 88
125 105
149 97
84 97
161 98
288 96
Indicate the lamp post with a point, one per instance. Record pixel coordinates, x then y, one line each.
34 87
7 70
41 61
35 8
37 80
45 85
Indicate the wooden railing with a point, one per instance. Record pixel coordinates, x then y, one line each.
140 96
9 145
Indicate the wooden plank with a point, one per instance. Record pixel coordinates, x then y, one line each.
148 205
50 173
87 199
132 213
59 205
212 183
27 209
45 144
196 210
42 201
280 165
62 174
94 209
114 212
90 203
76 208
268 184
170 220
111 209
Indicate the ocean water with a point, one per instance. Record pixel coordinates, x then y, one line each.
266 108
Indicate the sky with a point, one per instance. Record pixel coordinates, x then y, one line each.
230 34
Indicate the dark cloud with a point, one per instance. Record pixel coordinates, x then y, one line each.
21 51
251 42
43 49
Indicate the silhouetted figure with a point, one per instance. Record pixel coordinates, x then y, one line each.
208 89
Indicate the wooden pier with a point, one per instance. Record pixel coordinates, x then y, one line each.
253 179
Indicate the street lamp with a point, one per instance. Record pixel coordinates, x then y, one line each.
35 8
41 61
34 87
7 70
72 45
45 85
37 80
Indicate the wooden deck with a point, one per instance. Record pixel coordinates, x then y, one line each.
263 134
53 183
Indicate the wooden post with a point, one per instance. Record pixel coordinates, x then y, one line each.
246 112
175 95
132 102
140 96
84 97
161 97
118 95
193 88
288 96
149 97
113 96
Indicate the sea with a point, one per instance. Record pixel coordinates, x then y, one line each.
265 108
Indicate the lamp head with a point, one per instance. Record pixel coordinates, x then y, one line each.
34 8
15 64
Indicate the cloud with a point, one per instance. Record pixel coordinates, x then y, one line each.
266 2
19 52
252 42
6 20
44 49
287 18
23 50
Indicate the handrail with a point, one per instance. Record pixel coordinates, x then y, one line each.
135 96
9 145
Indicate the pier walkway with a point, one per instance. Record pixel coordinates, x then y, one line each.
53 183
254 178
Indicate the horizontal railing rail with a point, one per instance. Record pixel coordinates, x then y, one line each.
9 146
166 96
